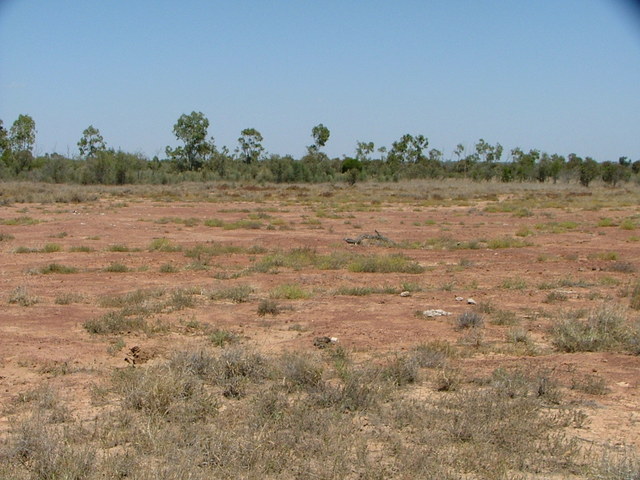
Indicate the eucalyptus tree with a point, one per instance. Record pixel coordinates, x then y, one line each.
91 142
250 148
192 131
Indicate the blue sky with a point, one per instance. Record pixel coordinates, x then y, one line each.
558 75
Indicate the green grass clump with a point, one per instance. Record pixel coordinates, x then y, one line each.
220 338
82 249
237 294
116 268
606 222
5 237
118 248
514 283
507 242
168 268
163 245
385 264
19 221
628 224
289 292
57 268
51 248
115 323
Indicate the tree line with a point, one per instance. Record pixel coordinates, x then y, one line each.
198 158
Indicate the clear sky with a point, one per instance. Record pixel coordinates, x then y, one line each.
558 75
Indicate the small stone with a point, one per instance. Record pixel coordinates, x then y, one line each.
459 299
406 293
471 301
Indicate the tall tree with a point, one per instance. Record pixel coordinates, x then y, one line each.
192 130
250 147
22 135
408 149
320 135
364 151
91 142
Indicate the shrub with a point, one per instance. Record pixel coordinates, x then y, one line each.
237 294
57 268
469 320
114 323
385 264
605 329
268 307
116 268
21 296
163 245
220 338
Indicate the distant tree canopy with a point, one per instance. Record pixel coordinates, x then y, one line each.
198 159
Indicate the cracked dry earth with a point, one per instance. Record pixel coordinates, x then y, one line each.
565 250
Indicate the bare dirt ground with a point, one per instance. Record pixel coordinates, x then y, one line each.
579 250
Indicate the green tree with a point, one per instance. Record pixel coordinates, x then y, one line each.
250 147
364 151
22 135
352 167
588 171
91 142
4 139
192 130
612 173
408 149
320 135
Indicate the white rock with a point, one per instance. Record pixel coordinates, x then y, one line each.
471 301
405 294
435 313
459 299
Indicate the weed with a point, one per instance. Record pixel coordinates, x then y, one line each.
591 384
514 283
57 268
554 297
163 245
220 338
385 264
68 298
605 329
289 292
268 307
82 249
300 371
628 224
634 301
51 248
469 320
118 248
21 296
504 317
507 242
622 267
116 268
606 222
168 268
237 294
24 220
114 323
5 237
